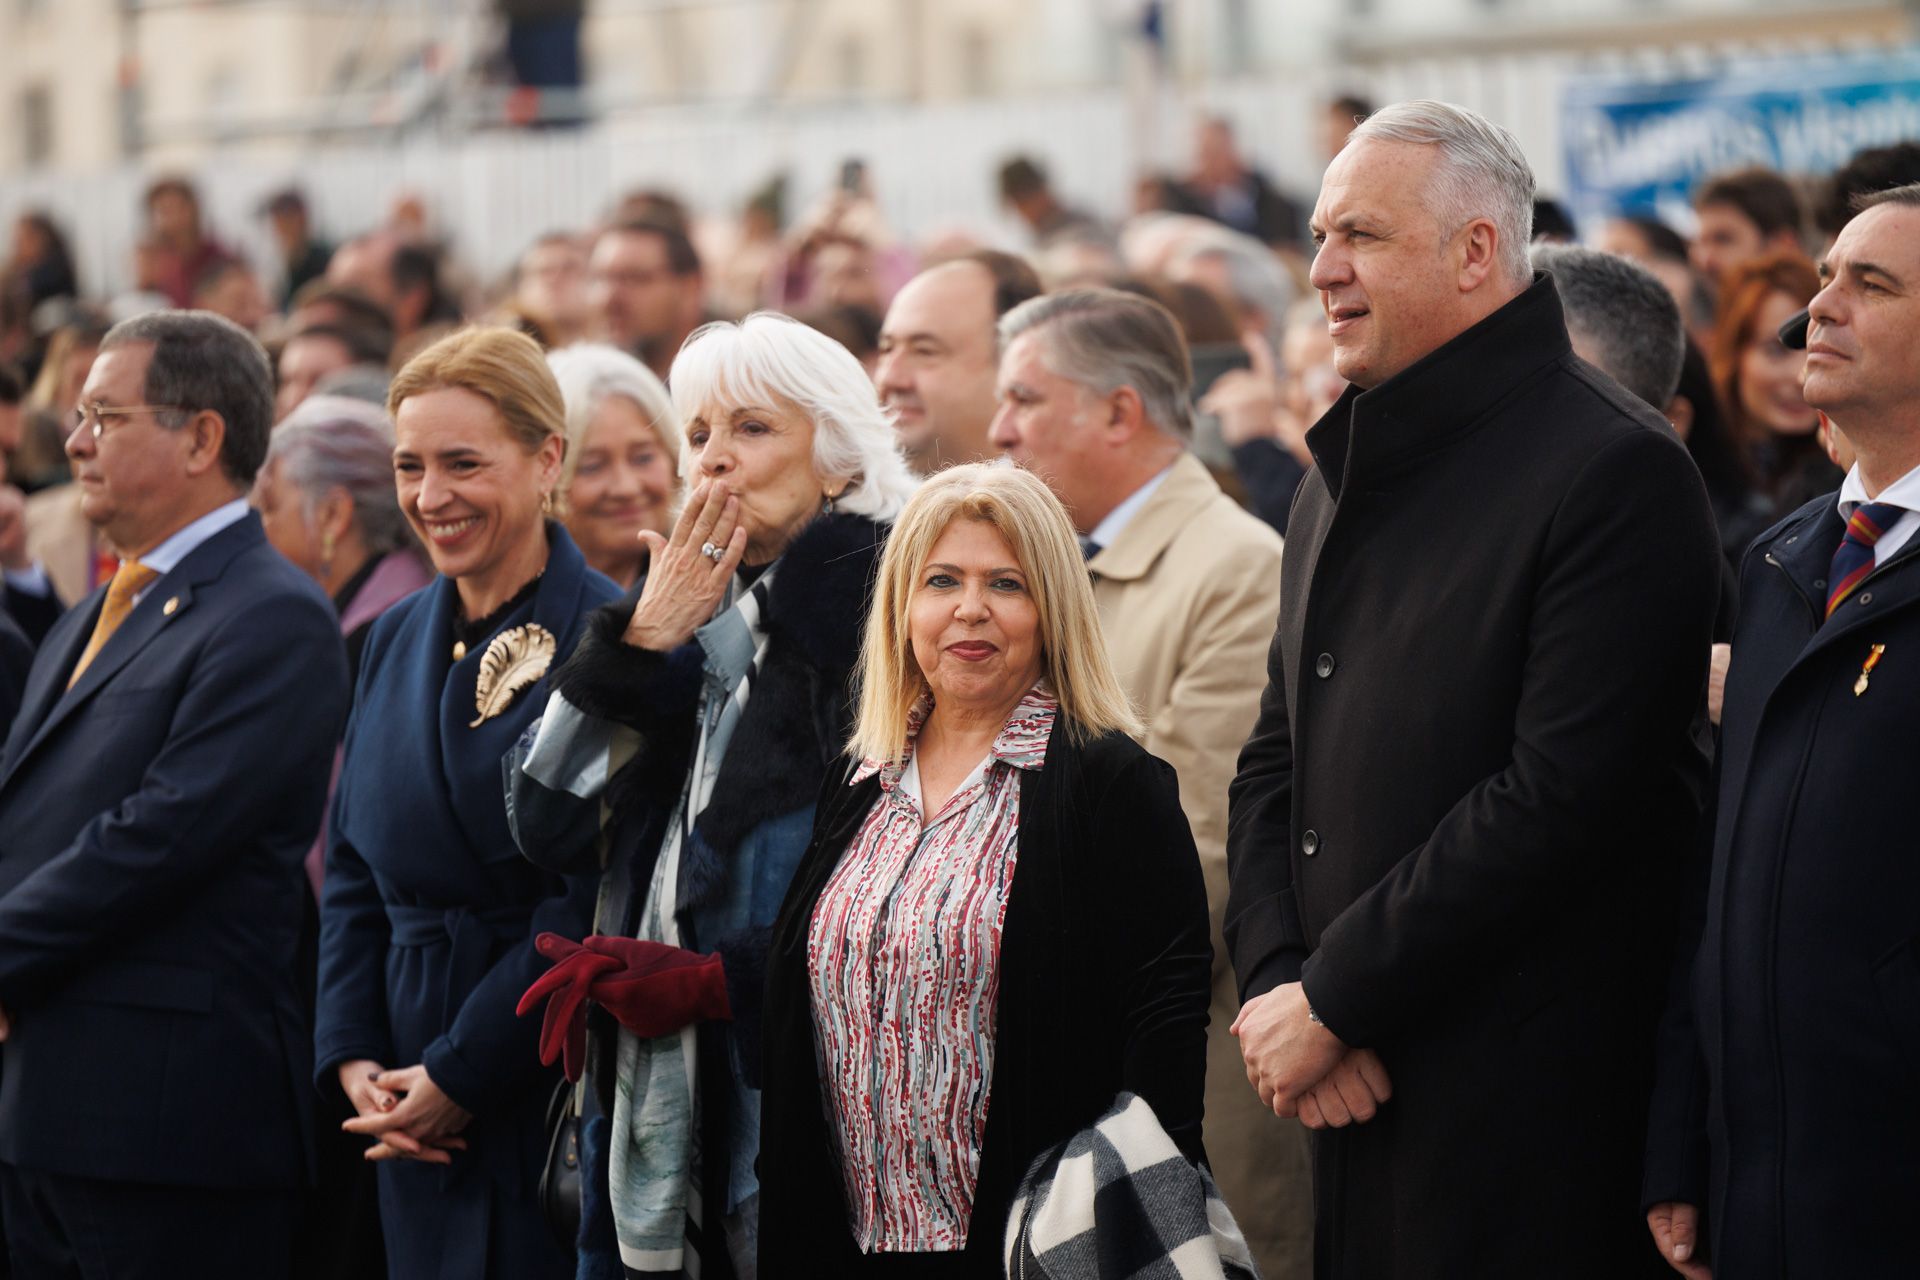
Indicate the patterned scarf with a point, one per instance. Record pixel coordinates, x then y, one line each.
654 1161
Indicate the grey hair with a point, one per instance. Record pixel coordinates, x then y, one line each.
771 356
1623 314
1259 282
1907 196
336 442
1103 340
203 362
1483 172
589 372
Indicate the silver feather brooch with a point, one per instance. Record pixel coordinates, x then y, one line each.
514 661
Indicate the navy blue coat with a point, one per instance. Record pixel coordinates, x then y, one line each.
154 818
428 918
1786 1104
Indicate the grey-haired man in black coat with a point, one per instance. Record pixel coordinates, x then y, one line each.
1478 760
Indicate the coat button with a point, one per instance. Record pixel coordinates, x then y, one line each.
1866 597
1310 843
1820 583
1323 665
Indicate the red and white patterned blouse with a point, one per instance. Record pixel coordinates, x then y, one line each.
903 960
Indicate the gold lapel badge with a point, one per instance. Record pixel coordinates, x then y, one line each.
1866 669
514 661
170 607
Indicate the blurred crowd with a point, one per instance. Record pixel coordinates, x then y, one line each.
699 463
1220 246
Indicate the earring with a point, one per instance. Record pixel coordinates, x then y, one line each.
326 554
546 504
829 507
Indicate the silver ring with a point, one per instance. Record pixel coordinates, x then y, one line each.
713 553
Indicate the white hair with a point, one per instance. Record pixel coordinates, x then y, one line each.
769 356
589 372
1483 173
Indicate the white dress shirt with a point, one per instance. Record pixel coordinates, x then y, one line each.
1117 519
1904 492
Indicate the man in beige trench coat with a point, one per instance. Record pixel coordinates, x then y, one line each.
1094 392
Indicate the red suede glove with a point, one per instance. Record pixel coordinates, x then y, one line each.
650 988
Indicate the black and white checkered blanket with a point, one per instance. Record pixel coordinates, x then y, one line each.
1119 1202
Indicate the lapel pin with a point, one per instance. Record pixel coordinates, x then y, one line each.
1866 669
171 607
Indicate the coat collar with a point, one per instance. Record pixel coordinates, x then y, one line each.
1802 547
1188 488
398 575
1020 744
1370 435
419 705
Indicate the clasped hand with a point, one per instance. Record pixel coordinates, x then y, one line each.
1301 1069
404 1112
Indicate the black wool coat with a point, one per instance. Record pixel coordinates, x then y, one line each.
1478 761
1105 967
1786 1105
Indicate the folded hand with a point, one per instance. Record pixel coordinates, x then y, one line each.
423 1124
1286 1052
1350 1094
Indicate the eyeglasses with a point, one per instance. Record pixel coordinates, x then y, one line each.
94 416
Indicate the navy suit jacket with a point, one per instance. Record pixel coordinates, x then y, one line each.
152 823
16 659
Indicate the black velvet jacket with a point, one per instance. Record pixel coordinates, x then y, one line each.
1104 970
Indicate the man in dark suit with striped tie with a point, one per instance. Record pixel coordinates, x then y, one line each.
162 781
1784 1128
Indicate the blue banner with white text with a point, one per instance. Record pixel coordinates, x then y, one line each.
1640 147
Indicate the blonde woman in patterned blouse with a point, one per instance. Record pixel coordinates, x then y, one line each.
1000 924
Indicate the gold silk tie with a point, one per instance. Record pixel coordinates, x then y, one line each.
129 580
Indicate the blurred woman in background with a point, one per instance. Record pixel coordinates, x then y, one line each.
325 495
621 473
1758 378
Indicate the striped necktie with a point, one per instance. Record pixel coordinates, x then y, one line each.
128 581
1853 559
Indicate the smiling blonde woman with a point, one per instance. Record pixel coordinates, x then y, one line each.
1001 904
428 914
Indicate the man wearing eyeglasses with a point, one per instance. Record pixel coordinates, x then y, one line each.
162 780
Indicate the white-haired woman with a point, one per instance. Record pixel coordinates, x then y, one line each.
716 697
623 456
1000 925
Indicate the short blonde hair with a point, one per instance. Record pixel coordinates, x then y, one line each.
1073 650
589 372
502 366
